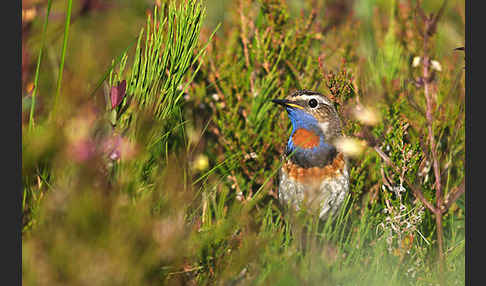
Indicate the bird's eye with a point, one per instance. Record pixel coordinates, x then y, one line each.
313 103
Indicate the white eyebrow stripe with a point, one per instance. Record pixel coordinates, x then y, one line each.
320 99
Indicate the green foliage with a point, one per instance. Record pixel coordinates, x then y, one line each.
165 57
177 184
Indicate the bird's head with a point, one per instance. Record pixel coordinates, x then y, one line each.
315 126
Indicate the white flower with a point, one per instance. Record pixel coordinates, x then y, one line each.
416 61
436 65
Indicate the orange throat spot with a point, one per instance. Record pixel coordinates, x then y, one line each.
304 138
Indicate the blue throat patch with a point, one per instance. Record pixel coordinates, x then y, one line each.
308 157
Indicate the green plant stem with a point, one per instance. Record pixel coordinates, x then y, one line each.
37 68
63 54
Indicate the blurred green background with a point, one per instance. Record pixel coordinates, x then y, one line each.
126 196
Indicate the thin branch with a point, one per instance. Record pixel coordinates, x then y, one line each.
433 25
419 9
245 41
430 27
416 190
453 196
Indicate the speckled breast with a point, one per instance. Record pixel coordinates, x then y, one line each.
317 189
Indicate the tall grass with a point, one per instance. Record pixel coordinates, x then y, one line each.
63 52
37 68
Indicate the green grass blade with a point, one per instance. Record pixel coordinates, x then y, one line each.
37 68
67 24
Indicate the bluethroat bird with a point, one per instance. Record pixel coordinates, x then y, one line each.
314 173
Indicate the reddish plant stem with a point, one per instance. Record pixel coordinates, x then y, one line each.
440 235
433 150
245 41
430 24
453 196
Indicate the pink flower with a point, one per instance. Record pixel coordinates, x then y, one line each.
117 93
111 147
83 150
116 146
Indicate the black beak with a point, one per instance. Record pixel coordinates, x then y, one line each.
287 103
280 101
